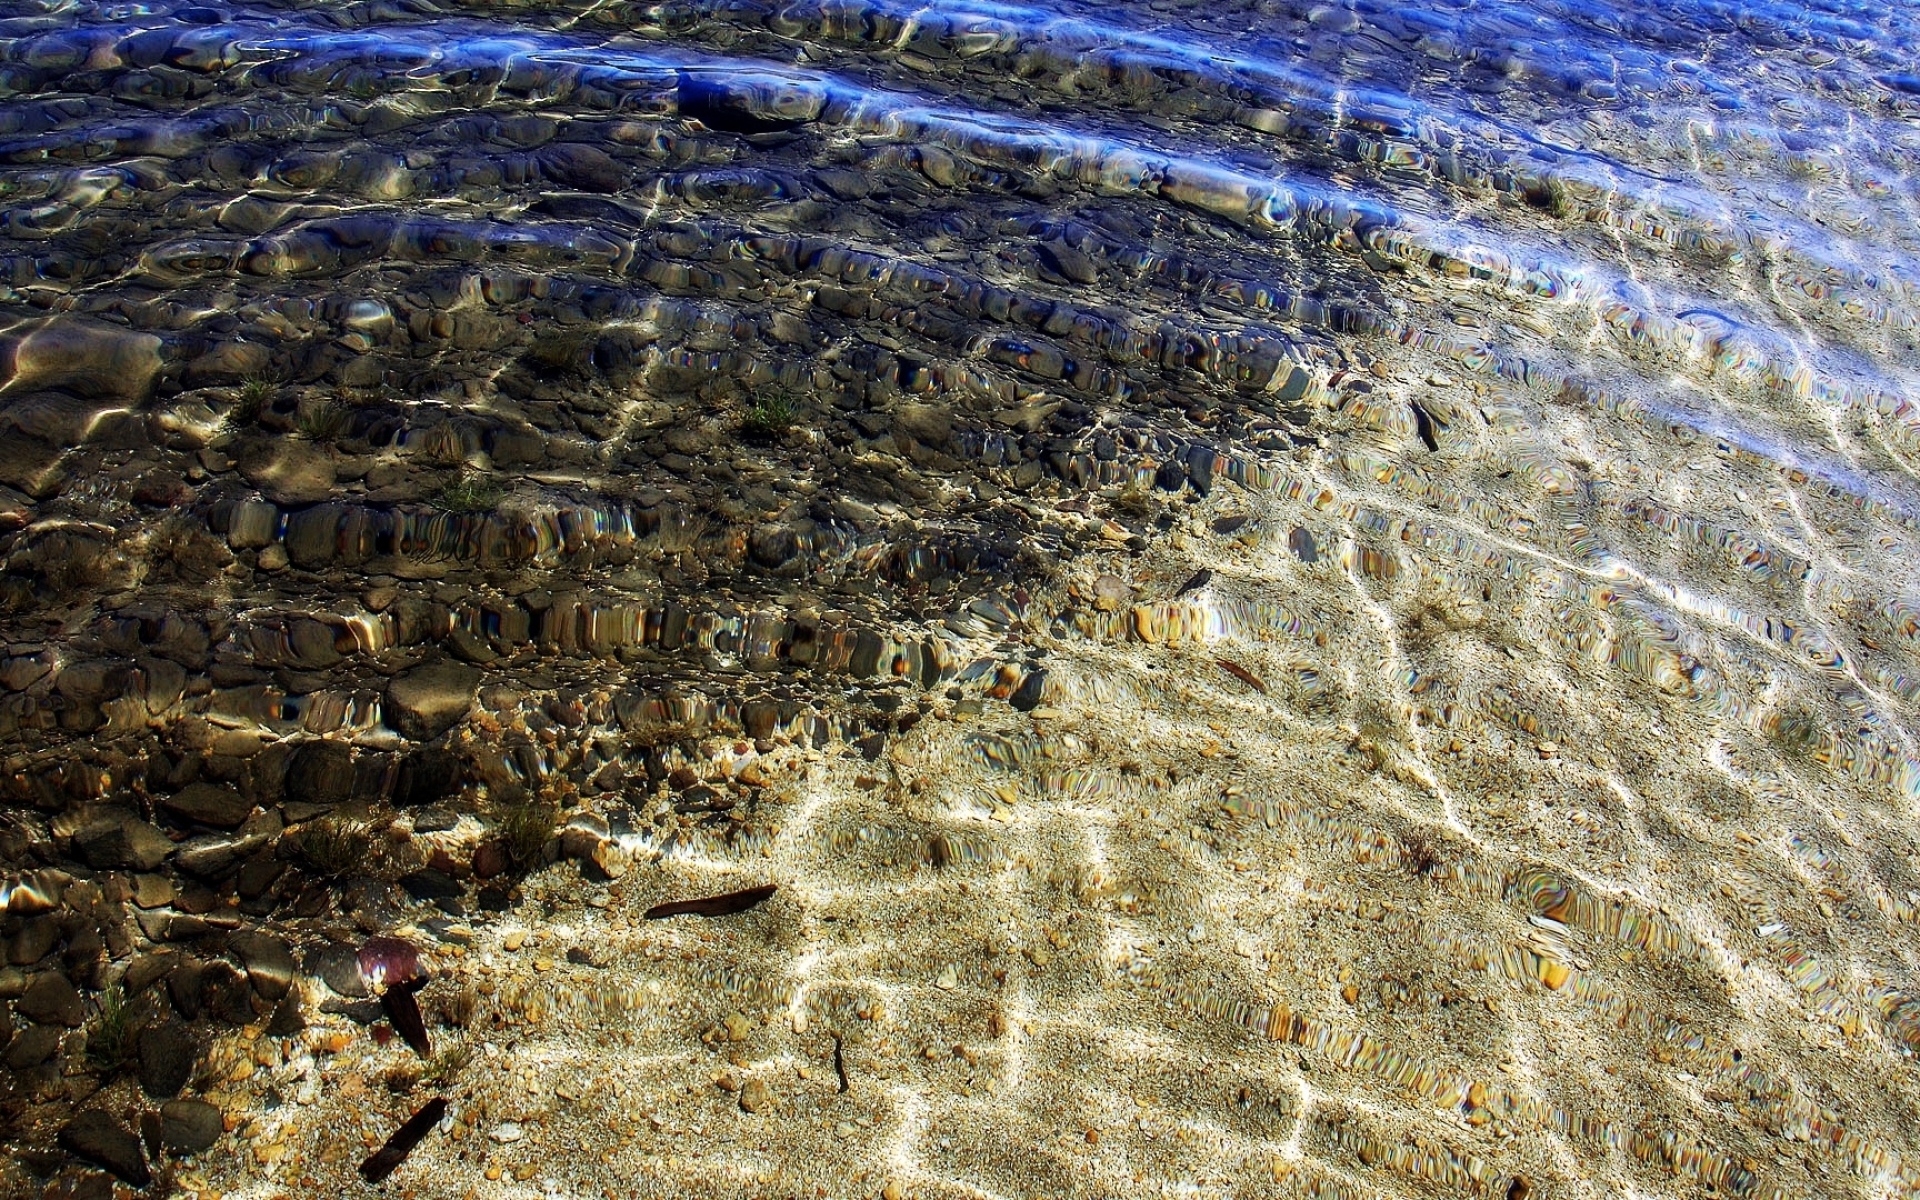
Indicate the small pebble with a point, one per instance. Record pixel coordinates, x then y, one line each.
754 1096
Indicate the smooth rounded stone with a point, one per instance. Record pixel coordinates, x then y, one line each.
100 1139
287 470
167 1054
89 358
320 773
338 967
268 962
21 671
929 423
208 804
34 1045
585 168
428 884
490 860
742 102
183 987
773 546
373 904
189 1126
66 421
229 362
122 842
214 854
258 874
188 423
90 683
427 701
51 999
252 525
146 970
435 820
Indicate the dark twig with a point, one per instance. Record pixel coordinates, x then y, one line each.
404 1011
715 906
840 1064
381 1162
1242 674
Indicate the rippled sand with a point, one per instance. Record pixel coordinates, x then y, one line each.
1326 611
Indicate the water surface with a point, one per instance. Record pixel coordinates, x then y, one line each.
1307 600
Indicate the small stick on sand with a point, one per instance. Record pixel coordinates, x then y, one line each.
381 1162
1242 674
715 906
840 1064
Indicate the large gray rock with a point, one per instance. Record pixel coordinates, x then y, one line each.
189 1126
98 1138
89 358
427 701
122 841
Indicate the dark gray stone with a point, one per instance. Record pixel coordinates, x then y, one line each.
268 961
320 773
586 168
429 884
167 1054
34 1046
51 999
1027 696
425 776
33 942
338 967
189 1126
99 1138
215 854
313 536
287 1019
434 820
427 701
122 841
225 994
207 804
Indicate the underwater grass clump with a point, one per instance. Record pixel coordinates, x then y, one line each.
770 417
322 421
250 399
469 493
524 831
332 846
110 1044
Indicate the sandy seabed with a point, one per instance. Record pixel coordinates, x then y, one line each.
1189 926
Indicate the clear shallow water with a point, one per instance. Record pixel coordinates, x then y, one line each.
1523 794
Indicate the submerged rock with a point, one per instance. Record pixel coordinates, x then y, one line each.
429 700
99 1138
